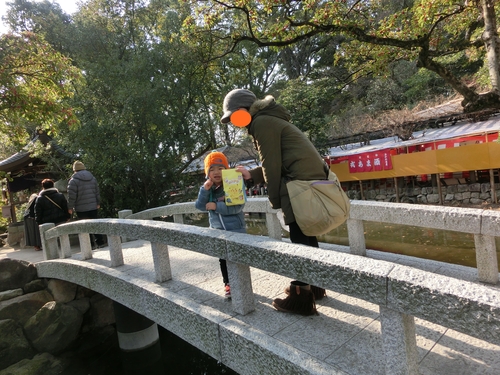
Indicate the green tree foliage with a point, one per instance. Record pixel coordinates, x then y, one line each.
35 84
145 113
43 18
376 33
308 103
150 102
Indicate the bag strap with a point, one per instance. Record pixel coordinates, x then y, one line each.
53 202
286 179
327 170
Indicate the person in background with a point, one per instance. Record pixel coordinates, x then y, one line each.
84 198
31 231
220 216
286 154
50 205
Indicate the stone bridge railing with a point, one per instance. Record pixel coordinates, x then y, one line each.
177 211
483 224
401 292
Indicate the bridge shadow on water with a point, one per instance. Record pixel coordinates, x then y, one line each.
178 358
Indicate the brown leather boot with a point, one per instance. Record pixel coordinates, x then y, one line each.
318 292
299 301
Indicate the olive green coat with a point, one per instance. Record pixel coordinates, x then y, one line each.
285 152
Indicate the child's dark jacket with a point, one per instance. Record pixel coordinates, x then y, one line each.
224 217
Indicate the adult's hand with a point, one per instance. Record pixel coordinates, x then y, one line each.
244 172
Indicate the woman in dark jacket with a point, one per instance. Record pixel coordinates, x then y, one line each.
51 206
31 231
286 154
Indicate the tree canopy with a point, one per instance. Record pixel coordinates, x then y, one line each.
35 83
432 33
134 88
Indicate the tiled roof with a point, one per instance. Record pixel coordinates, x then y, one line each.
22 159
14 162
461 129
235 155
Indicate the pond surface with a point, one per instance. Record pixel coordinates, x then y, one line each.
427 243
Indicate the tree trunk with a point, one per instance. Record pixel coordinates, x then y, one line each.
491 42
424 61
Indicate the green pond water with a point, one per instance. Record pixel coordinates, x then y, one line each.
427 243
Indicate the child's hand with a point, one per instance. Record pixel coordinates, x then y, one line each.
208 184
244 172
211 206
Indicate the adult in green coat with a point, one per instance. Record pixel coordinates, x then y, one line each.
286 154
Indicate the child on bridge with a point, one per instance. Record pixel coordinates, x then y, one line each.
220 216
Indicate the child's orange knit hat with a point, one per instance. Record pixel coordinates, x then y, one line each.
215 158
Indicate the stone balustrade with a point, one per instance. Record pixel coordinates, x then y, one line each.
483 224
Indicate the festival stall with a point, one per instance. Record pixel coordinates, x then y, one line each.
458 153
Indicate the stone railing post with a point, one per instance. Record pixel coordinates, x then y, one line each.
85 245
65 246
273 226
356 234
399 342
242 297
486 258
50 248
161 262
115 251
179 218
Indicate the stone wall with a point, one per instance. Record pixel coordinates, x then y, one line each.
41 319
457 195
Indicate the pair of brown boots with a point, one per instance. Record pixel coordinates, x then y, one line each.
301 299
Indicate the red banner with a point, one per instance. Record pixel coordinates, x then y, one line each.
356 164
370 161
387 161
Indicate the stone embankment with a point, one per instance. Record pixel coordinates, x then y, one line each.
41 320
456 195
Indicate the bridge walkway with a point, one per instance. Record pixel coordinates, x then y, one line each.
344 339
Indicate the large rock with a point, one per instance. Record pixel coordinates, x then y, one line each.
62 291
83 292
13 345
54 327
15 274
35 286
41 364
9 294
102 312
24 307
82 304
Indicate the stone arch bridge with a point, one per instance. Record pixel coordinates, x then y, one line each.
384 314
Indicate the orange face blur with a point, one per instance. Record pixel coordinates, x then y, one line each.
215 174
240 118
